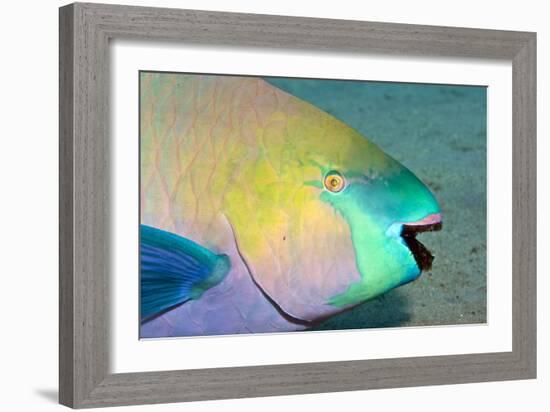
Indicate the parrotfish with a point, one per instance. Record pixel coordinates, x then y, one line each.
262 213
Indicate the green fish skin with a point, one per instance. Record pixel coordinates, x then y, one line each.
310 214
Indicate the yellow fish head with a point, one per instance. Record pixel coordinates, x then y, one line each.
324 219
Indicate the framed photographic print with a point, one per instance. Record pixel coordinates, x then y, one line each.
256 205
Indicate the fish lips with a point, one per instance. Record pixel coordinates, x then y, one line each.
409 230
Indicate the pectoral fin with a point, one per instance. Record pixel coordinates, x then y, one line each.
174 270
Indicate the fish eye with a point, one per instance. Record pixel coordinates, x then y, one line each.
334 182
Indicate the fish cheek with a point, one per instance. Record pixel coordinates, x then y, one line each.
300 255
323 256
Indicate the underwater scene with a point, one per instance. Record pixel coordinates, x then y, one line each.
273 204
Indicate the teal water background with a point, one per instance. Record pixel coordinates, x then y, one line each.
440 133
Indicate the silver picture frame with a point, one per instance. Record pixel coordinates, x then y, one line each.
84 358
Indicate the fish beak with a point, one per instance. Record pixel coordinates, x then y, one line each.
409 230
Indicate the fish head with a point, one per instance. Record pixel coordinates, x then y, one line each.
385 207
328 220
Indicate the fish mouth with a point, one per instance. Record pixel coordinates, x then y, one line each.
421 254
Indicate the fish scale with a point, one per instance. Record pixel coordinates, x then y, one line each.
170 211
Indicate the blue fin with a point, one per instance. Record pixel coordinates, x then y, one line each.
174 270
